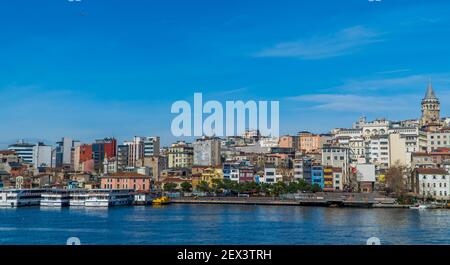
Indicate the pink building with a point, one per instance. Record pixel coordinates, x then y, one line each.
126 180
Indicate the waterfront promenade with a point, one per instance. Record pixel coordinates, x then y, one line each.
316 199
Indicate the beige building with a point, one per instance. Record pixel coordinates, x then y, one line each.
156 163
308 142
180 155
288 141
398 151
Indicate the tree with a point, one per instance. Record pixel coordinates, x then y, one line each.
170 186
293 187
316 188
279 188
217 185
203 186
186 186
395 179
265 188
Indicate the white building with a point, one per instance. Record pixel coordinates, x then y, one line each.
365 175
438 139
432 182
110 166
376 127
267 142
302 168
377 151
270 175
151 146
42 155
23 150
231 171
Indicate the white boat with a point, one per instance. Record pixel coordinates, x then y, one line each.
419 207
55 198
20 197
107 197
78 197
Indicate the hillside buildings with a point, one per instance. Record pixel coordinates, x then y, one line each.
345 159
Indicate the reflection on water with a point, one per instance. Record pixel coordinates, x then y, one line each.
223 224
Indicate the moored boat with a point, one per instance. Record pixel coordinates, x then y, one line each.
20 197
109 197
419 207
161 200
55 198
78 197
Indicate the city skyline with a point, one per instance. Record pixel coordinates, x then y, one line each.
143 57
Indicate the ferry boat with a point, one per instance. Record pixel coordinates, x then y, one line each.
55 198
78 197
20 197
161 200
107 197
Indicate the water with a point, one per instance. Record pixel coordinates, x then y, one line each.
223 224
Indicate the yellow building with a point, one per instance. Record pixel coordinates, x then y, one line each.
206 173
328 178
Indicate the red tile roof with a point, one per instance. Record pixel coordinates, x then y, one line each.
429 171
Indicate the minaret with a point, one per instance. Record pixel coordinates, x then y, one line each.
430 108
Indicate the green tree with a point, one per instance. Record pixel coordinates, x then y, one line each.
217 185
279 188
203 186
266 188
293 187
170 186
186 186
316 188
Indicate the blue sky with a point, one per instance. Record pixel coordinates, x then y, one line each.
100 68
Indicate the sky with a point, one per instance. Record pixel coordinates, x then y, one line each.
98 68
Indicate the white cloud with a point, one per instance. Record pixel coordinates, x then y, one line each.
357 103
410 82
396 71
342 42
